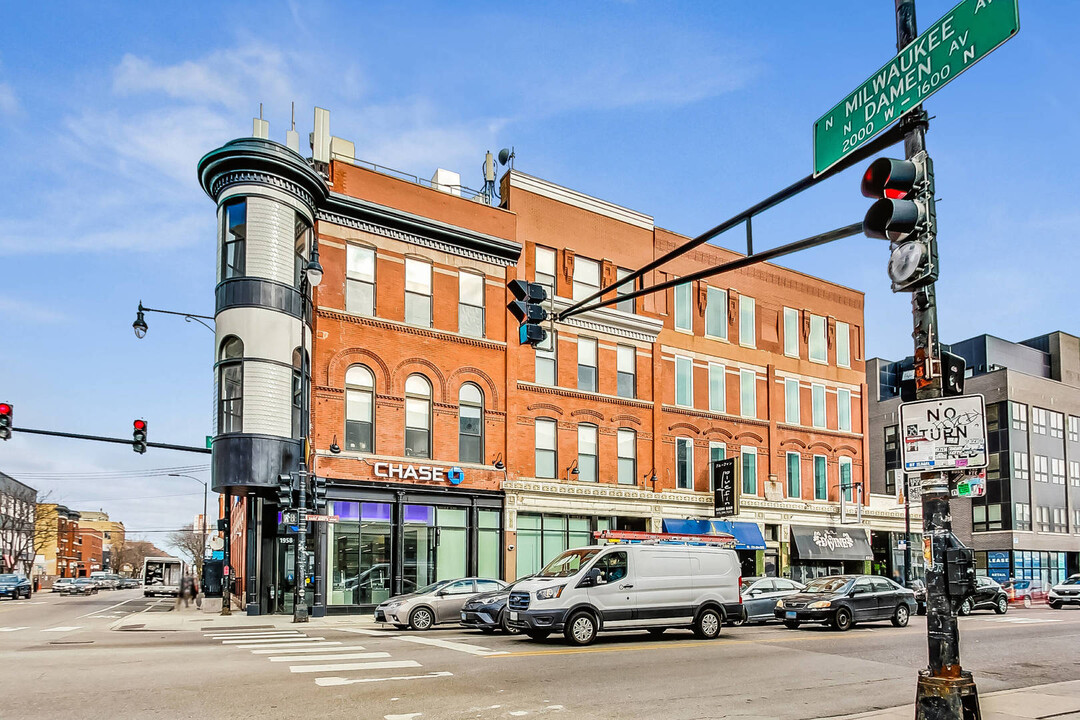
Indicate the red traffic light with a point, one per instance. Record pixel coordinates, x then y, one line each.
139 424
5 409
891 179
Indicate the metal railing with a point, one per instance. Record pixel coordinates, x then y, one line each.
462 191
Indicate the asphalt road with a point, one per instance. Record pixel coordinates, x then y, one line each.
64 656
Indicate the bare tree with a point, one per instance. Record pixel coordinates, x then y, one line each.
131 553
191 544
21 537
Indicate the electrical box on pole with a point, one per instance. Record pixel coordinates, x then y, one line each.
904 215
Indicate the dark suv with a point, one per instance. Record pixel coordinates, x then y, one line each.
988 595
14 586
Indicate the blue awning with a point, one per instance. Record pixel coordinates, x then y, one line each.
747 534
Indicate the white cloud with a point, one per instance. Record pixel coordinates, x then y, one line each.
29 312
9 103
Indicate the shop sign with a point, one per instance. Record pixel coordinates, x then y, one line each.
430 473
725 488
832 540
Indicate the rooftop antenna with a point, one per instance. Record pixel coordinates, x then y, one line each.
259 127
292 138
506 155
489 193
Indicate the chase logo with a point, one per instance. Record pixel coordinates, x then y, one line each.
455 475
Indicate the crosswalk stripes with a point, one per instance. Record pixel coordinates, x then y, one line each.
1023 620
338 656
13 629
62 628
342 667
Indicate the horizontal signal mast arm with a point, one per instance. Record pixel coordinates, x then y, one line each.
793 247
100 438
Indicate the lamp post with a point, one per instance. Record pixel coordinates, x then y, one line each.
204 533
141 327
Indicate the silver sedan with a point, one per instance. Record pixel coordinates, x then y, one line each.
439 602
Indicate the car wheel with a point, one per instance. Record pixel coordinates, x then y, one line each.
538 634
1002 606
581 630
842 620
505 623
901 616
708 624
656 632
1027 601
965 607
421 619
1054 605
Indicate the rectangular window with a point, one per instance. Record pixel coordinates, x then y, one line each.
233 239
624 289
1074 473
817 398
749 470
1059 520
1074 428
545 361
717 451
843 409
1020 466
684 381
684 463
717 388
716 313
545 269
586 277
747 322
417 292
1043 516
586 364
821 478
845 479
791 401
545 448
684 319
627 448
586 453
1057 425
1038 421
360 280
794 475
818 351
1042 468
748 393
1018 412
791 332
626 370
843 345
1022 520
471 304
1057 471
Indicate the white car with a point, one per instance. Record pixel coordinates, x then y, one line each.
629 587
1065 593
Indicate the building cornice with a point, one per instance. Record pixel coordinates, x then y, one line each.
261 162
582 395
610 321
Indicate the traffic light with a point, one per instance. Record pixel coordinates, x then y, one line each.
529 311
6 411
904 215
138 436
952 374
960 572
285 491
318 495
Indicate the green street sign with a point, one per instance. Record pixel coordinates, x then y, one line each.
962 37
209 441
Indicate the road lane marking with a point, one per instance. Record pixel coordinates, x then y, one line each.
270 641
255 637
383 665
450 645
313 647
63 628
338 656
335 681
95 612
297 643
13 629
365 631
1023 620
242 633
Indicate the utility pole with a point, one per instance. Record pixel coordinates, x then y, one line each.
908 575
945 690
226 556
300 609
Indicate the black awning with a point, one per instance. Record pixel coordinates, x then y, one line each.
831 543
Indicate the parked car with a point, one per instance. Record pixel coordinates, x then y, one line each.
14 586
759 596
629 587
82 586
487 611
130 583
840 601
988 595
104 580
1065 593
919 588
439 602
60 583
1024 592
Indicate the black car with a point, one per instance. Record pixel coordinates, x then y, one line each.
14 586
82 586
487 611
840 601
988 595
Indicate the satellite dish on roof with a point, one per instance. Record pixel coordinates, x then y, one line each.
506 155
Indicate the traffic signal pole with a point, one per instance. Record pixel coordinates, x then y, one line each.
945 690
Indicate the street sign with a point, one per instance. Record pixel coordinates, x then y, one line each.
962 37
725 488
944 433
209 441
322 518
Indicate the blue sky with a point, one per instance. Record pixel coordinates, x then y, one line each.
687 111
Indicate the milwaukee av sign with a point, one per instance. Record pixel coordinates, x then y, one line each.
965 35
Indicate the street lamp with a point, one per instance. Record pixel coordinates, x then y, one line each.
203 509
141 327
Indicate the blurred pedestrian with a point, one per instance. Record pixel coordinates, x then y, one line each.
187 591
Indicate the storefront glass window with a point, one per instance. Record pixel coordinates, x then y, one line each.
489 544
358 553
540 538
529 544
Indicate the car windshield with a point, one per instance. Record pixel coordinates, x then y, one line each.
1074 580
568 563
827 585
1018 584
83 581
747 582
431 588
8 578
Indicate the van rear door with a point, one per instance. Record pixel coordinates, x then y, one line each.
663 587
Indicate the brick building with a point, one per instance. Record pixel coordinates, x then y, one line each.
448 448
58 528
91 547
112 534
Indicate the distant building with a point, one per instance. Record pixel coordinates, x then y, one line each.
57 527
112 533
91 552
18 503
1028 523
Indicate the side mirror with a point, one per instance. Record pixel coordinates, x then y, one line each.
441 593
591 578
854 592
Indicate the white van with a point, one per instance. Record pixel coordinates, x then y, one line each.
629 587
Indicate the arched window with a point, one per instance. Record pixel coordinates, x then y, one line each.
231 385
298 430
359 409
470 424
417 417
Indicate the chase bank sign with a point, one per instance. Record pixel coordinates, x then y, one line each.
430 473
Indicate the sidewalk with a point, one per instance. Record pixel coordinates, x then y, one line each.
194 619
1060 701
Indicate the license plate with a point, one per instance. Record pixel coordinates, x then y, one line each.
513 615
791 614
